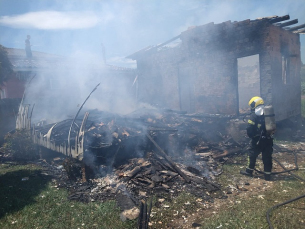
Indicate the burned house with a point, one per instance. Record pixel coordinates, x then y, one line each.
204 73
207 70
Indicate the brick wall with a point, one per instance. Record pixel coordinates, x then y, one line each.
285 97
201 75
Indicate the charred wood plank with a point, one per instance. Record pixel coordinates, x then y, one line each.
148 172
203 154
198 180
295 21
145 165
139 175
124 168
133 172
148 212
228 153
156 178
140 215
163 154
166 42
163 164
193 170
301 31
204 182
152 185
278 19
138 184
202 149
170 178
143 217
145 181
296 27
169 173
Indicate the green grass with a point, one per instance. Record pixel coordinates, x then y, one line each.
250 212
36 203
168 211
238 211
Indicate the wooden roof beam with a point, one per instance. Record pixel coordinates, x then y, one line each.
296 27
278 19
295 21
166 42
301 31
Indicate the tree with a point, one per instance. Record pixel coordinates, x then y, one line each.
5 65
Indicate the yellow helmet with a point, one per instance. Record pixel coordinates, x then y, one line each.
256 101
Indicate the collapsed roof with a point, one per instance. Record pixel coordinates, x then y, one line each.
275 20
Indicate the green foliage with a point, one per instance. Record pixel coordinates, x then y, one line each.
5 65
20 145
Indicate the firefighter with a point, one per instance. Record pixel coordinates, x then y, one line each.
261 140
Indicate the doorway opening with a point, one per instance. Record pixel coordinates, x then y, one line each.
248 81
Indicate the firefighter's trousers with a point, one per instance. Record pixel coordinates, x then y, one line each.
264 146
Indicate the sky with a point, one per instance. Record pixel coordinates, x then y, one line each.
81 27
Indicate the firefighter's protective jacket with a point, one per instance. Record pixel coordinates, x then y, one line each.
256 128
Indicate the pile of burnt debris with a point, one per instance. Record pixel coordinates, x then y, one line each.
114 139
131 158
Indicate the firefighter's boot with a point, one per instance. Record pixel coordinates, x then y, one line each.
267 176
248 172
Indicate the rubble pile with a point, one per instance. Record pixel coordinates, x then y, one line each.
134 181
173 131
147 153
